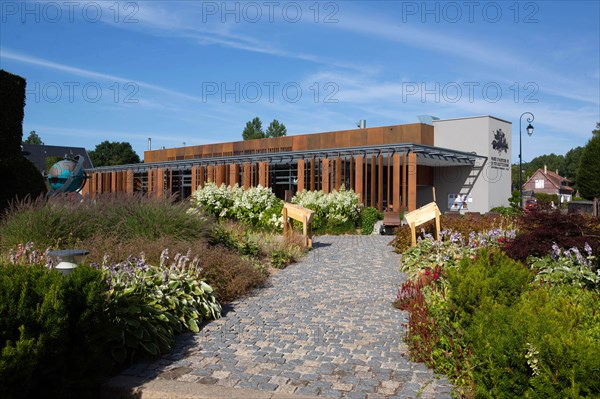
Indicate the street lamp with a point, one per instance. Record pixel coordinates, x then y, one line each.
529 129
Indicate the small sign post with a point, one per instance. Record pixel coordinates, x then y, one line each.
423 215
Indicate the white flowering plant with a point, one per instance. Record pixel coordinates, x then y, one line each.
333 209
257 206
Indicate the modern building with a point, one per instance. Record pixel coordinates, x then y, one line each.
464 162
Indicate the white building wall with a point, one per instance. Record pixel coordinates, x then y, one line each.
477 189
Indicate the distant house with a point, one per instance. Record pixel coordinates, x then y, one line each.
38 154
548 182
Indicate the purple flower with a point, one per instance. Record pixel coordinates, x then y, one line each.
555 251
587 249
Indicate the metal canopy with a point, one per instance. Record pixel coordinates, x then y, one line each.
426 156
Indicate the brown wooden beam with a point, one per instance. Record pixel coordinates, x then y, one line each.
201 176
301 169
373 185
358 178
325 175
338 174
412 181
247 175
396 182
404 181
380 184
160 182
312 174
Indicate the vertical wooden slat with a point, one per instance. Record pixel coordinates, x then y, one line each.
389 177
380 183
113 182
247 175
404 180
396 182
352 167
262 168
234 174
325 175
338 174
211 174
312 174
301 169
160 182
151 187
202 176
412 181
129 184
358 178
194 179
373 201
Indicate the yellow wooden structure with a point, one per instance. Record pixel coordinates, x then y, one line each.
304 215
423 215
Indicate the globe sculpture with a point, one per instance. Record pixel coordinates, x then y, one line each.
67 176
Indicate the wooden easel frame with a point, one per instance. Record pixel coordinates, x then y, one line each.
304 215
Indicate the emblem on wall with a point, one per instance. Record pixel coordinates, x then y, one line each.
499 143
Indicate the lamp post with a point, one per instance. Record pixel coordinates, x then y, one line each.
529 129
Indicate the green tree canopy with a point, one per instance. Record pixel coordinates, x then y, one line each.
551 161
588 175
113 153
572 158
596 131
253 130
276 129
33 138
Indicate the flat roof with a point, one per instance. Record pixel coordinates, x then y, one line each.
426 156
473 117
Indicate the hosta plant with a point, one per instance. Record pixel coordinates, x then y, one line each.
570 267
148 304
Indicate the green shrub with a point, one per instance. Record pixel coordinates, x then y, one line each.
491 278
368 217
52 332
545 200
543 346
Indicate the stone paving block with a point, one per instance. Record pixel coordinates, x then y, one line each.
312 330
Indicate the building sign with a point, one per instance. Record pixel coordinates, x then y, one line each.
500 144
459 202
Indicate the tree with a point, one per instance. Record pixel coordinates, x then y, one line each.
552 162
33 138
596 131
588 177
572 158
253 130
276 129
113 153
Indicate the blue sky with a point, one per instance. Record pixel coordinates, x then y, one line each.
195 72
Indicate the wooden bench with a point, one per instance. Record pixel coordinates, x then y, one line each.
304 215
390 220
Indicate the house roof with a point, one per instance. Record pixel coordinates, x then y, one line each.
38 154
553 178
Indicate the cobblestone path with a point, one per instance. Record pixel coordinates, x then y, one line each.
324 327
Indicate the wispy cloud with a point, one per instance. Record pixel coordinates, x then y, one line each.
27 59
